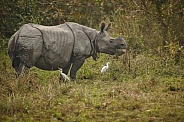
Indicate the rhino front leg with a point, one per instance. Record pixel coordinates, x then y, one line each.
76 66
66 69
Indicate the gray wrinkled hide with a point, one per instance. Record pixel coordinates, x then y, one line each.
82 44
51 46
58 44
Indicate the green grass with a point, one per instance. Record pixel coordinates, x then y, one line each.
142 92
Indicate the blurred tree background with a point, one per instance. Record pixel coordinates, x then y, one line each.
153 27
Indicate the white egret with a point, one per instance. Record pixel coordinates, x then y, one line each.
64 75
104 68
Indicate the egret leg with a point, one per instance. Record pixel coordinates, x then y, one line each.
76 66
61 79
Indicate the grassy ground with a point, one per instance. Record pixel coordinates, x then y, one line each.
142 90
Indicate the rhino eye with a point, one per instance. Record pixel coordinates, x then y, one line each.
110 41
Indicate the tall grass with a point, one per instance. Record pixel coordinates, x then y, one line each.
134 88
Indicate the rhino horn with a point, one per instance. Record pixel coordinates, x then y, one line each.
120 35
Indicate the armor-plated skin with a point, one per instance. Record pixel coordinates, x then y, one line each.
63 46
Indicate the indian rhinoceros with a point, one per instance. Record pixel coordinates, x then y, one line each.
62 46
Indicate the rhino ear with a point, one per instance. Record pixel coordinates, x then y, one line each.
108 27
102 27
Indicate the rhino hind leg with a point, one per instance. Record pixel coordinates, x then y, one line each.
25 69
16 65
20 67
16 62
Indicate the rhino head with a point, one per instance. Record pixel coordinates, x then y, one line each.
109 45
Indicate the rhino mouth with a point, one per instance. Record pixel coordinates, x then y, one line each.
120 51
